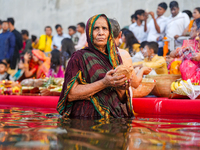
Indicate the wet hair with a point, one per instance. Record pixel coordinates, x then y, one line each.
3 63
198 23
188 12
72 27
67 50
0 22
24 32
115 27
47 27
132 16
173 4
130 40
139 12
33 38
57 26
143 44
198 9
11 20
153 45
55 59
82 24
163 5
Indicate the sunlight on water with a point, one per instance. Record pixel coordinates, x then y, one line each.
24 128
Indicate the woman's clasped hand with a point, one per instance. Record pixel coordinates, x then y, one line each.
120 82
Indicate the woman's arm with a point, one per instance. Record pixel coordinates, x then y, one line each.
173 54
81 92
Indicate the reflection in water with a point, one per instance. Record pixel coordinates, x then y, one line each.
43 129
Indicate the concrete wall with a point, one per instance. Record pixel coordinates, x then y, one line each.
34 15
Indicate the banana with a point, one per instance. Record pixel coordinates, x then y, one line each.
176 85
172 86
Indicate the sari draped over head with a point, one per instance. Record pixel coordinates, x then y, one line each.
42 69
190 69
89 65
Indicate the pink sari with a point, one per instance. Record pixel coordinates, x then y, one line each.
190 69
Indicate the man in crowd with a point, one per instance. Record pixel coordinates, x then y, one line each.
74 36
7 43
138 27
133 18
1 27
176 23
28 42
45 40
82 40
156 27
18 43
56 44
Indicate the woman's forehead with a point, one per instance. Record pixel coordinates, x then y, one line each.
101 21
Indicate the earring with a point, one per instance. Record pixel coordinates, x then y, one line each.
197 37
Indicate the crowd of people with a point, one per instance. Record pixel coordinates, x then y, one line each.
142 44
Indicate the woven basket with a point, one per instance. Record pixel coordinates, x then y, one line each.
163 84
144 88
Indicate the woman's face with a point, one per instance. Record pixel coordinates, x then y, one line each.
193 32
100 32
123 38
35 59
196 14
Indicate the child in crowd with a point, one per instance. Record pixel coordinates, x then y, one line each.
152 60
138 58
9 70
56 69
3 72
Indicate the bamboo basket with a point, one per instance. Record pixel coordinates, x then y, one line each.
163 84
144 88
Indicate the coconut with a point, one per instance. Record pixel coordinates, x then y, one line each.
123 70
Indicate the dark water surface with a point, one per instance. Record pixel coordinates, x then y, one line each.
30 129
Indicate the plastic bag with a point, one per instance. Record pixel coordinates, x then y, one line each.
188 89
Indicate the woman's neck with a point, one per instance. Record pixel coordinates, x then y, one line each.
102 49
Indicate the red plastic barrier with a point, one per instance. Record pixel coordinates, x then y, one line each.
165 106
29 101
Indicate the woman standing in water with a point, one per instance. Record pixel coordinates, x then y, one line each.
90 90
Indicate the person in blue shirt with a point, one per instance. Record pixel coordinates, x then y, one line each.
7 43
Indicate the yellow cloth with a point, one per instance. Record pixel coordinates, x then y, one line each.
11 72
158 63
45 43
35 45
175 67
122 46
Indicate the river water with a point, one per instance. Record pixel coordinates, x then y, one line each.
42 129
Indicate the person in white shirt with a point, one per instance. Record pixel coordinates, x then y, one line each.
156 27
56 42
176 23
82 40
138 27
